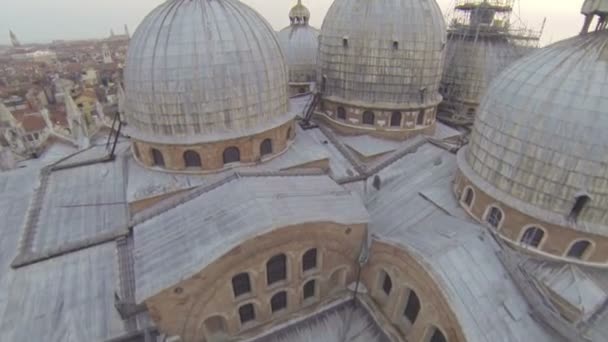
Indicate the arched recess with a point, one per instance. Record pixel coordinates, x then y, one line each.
369 118
231 155
436 335
215 326
580 249
276 269
157 157
266 147
494 216
396 118
533 236
337 279
420 118
468 197
192 159
341 113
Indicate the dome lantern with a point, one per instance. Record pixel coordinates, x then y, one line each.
299 42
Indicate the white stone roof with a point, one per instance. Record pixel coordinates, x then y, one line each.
408 212
202 70
540 133
257 205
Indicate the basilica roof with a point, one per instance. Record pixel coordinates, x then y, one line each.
539 140
299 43
204 70
164 256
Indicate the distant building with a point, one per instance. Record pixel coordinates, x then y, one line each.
14 41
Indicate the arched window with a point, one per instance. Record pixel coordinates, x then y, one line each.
369 118
420 118
215 324
533 236
412 308
157 158
309 289
309 260
579 249
579 204
276 269
278 301
232 155
494 217
341 113
246 313
192 159
468 197
437 335
387 282
396 119
241 284
266 147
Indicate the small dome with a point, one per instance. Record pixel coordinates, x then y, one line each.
540 134
383 51
204 70
299 13
300 43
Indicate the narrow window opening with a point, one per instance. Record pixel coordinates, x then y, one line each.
420 118
395 45
192 159
157 158
369 118
412 309
246 313
309 260
494 217
437 336
266 147
278 301
387 283
345 42
276 269
396 119
341 113
309 289
579 249
241 284
231 155
533 237
468 197
579 205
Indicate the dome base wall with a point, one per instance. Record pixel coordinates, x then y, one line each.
212 154
352 122
557 239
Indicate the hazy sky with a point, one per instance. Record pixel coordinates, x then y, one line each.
46 20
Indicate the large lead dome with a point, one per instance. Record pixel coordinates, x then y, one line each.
384 58
539 143
204 70
383 50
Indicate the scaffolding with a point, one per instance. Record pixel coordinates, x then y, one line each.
483 38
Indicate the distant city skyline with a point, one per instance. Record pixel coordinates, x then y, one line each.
34 21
